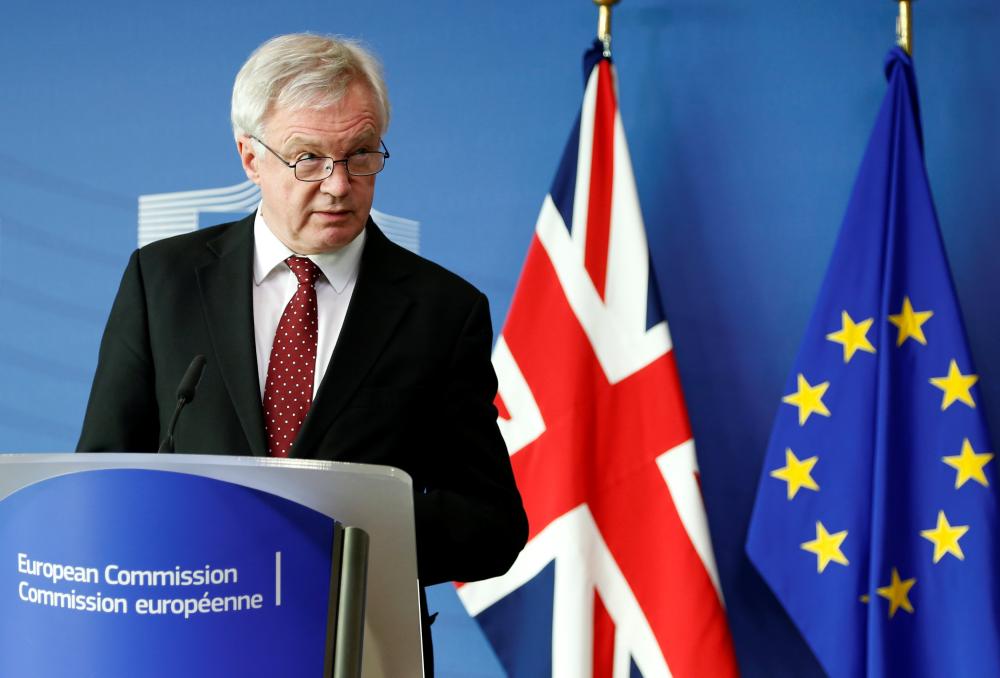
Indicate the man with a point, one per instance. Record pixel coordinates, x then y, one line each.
324 340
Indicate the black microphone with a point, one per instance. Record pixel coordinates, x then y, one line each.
185 394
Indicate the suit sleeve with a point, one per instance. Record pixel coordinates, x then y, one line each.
121 412
471 525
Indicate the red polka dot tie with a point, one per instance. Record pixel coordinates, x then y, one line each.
291 369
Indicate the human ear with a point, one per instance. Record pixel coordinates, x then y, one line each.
249 157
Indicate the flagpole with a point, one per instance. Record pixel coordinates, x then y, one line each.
604 23
904 26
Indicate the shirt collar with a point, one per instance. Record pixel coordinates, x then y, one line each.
338 267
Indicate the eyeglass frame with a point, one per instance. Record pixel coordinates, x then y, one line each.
333 163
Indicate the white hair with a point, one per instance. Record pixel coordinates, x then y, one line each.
302 70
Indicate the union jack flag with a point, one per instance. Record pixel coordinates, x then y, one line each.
618 576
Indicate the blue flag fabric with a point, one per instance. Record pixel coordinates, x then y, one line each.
875 517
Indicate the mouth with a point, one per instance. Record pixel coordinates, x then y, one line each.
333 216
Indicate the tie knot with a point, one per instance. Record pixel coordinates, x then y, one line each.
304 269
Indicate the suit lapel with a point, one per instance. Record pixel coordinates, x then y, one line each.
376 308
227 297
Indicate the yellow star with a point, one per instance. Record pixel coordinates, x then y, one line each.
796 473
969 465
897 593
910 323
945 538
826 546
809 399
853 336
955 386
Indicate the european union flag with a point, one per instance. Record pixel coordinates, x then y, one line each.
875 518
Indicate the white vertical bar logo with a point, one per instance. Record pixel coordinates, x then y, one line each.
277 578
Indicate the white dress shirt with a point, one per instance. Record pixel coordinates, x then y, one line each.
274 284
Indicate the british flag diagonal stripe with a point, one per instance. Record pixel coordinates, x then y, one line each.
618 578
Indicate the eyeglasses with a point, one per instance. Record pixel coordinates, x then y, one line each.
361 164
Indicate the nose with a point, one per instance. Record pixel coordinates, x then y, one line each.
338 184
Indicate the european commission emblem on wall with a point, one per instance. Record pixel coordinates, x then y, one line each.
162 215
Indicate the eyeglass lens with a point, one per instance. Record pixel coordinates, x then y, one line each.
359 164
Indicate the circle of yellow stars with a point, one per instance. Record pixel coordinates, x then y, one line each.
968 464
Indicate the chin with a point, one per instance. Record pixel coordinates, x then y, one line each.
336 238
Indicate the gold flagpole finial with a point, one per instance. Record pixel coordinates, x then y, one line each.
604 23
904 26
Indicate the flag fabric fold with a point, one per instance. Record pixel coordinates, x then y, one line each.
875 517
618 577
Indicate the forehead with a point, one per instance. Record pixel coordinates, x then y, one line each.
354 116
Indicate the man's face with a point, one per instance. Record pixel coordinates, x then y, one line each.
318 216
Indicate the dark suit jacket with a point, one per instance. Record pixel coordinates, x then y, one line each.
410 384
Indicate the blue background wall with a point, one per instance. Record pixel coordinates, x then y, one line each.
746 121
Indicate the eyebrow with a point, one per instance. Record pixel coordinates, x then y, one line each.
313 142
